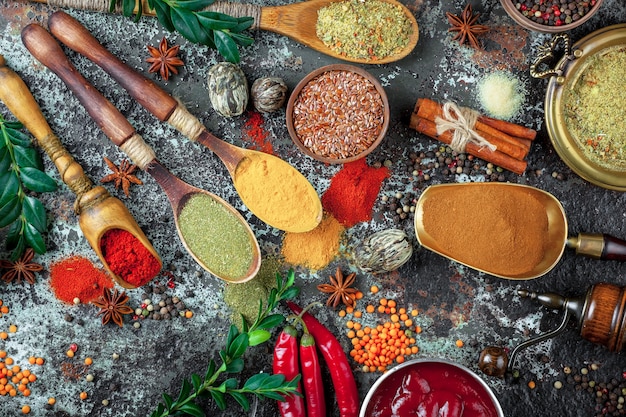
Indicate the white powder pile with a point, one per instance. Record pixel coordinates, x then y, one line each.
501 95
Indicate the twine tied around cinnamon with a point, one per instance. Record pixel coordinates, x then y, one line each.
461 121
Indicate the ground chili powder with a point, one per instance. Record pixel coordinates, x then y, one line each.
78 278
128 258
353 192
254 129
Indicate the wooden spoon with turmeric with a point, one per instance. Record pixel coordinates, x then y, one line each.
273 190
98 211
236 263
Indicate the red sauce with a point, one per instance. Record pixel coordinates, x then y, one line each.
431 389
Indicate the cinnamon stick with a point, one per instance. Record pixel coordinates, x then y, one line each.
429 128
512 129
430 110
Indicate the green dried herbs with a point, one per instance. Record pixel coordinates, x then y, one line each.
595 109
371 29
21 169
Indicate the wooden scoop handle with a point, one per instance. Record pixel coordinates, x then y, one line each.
19 100
47 51
69 31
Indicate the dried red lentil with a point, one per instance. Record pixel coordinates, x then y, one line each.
338 114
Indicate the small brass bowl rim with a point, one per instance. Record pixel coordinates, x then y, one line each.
564 143
310 76
422 361
527 23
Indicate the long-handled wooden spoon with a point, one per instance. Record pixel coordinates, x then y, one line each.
290 204
46 49
98 211
297 21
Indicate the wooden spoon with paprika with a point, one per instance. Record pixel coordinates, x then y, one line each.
45 48
290 204
98 211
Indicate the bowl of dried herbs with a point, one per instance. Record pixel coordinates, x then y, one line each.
338 113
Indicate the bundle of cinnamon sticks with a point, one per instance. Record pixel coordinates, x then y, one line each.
512 141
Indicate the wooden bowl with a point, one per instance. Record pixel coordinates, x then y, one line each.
336 117
518 16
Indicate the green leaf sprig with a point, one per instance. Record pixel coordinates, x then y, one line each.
262 385
21 168
188 17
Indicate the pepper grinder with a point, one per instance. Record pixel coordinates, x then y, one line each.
601 316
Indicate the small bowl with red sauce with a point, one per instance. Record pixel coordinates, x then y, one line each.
430 387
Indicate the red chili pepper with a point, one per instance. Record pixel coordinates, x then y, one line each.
337 361
312 377
286 363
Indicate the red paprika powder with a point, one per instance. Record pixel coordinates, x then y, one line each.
353 192
128 258
78 278
253 128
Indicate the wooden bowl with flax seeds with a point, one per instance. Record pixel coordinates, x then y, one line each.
338 113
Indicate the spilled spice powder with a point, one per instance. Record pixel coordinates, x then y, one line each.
128 258
255 131
353 192
314 249
77 277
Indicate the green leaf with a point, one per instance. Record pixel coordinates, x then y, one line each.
34 239
196 381
238 346
167 400
243 23
233 332
210 370
10 211
226 46
15 233
272 395
185 389
242 40
229 384
273 381
163 14
291 293
194 5
216 21
11 187
37 180
14 125
192 409
19 138
235 366
19 248
35 213
186 24
271 321
27 157
291 278
5 158
241 399
258 336
218 397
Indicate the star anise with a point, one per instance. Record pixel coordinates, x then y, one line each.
340 289
122 175
23 268
465 25
164 59
112 305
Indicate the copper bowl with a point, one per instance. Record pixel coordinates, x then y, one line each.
564 77
518 16
440 381
296 93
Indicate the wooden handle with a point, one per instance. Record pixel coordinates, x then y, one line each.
69 31
603 316
46 49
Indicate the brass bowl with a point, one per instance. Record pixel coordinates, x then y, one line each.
442 376
312 75
515 14
564 76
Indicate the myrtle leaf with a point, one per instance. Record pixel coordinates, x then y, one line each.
258 336
36 180
35 212
18 138
241 399
226 46
11 187
192 409
27 157
34 238
10 211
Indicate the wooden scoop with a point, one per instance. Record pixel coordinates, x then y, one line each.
298 21
45 48
294 190
597 246
98 211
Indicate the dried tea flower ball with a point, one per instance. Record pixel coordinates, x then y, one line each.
228 89
268 94
383 251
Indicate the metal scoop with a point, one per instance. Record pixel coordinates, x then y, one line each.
599 246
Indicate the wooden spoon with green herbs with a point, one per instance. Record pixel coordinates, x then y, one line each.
212 231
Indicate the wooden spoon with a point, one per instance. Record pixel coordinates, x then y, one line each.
98 211
45 48
290 188
298 21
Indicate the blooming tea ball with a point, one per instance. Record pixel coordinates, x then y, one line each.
268 94
228 89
